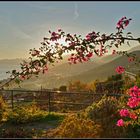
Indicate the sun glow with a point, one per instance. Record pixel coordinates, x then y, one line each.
61 43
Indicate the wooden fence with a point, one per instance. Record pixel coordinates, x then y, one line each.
57 101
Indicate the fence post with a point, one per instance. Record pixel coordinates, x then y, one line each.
49 104
12 97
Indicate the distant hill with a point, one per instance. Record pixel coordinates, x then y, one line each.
105 70
58 74
98 68
8 65
9 61
63 73
137 48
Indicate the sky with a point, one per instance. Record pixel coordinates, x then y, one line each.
23 24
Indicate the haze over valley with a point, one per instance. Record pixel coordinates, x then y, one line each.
61 74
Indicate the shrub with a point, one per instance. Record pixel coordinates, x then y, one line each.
63 88
115 77
3 110
25 114
74 126
104 113
19 133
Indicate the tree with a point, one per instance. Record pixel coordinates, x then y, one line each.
115 77
80 49
77 86
63 88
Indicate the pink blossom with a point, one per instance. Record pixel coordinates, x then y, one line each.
127 22
35 52
72 44
120 122
90 54
123 22
84 59
91 35
124 112
22 77
134 91
120 23
133 116
133 102
120 69
130 59
45 69
114 52
55 36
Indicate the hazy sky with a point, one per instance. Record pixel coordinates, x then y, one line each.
24 24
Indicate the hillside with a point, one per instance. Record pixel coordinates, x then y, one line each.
105 70
8 65
63 73
137 48
57 75
98 68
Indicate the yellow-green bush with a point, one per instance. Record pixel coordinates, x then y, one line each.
3 109
105 113
74 126
25 114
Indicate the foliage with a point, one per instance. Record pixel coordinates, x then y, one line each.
3 109
76 127
31 129
115 77
18 133
53 116
138 80
91 86
25 114
80 86
127 83
104 113
63 88
76 86
110 87
134 131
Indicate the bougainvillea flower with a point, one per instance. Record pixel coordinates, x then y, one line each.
35 52
123 22
120 69
120 122
124 112
133 116
133 102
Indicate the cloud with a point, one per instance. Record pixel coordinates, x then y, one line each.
76 14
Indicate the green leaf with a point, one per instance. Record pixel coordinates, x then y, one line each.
17 81
91 46
43 61
13 71
8 72
129 33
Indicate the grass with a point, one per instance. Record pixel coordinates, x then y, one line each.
36 128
